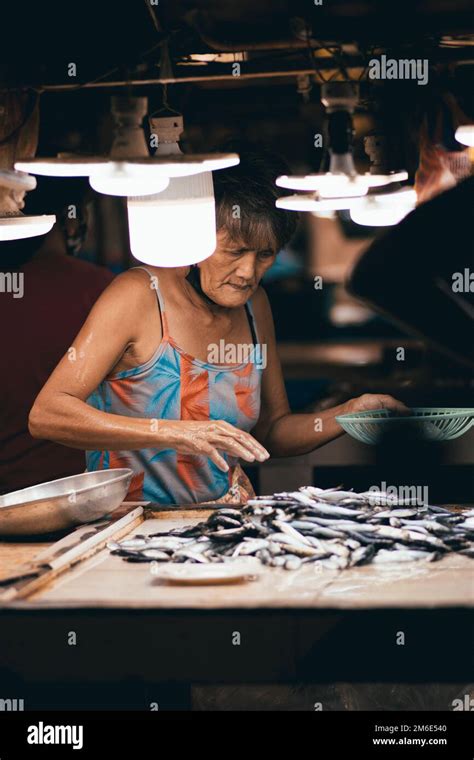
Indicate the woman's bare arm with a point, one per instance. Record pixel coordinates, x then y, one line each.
60 412
287 434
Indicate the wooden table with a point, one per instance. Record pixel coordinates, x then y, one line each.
106 580
296 626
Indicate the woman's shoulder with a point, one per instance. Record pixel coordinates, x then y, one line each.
262 311
260 304
131 288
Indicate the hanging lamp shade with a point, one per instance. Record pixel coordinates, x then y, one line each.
14 225
18 138
125 170
176 227
336 189
383 209
339 184
465 135
129 169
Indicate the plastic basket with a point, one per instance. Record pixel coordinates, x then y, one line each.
423 423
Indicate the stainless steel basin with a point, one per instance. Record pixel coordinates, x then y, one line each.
63 503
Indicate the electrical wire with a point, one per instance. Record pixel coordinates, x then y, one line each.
72 88
335 51
338 57
153 17
108 73
313 62
368 56
165 106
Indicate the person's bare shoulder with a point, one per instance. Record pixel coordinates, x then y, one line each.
263 313
119 314
127 295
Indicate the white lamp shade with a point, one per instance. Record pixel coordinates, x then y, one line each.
62 166
123 178
331 185
22 226
129 170
465 135
176 227
383 210
312 203
222 161
162 164
171 162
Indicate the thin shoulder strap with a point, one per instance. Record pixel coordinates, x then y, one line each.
154 285
252 322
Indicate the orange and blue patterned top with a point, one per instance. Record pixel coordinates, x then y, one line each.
173 385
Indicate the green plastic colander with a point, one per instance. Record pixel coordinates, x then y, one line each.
423 423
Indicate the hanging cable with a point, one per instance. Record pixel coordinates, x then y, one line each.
153 17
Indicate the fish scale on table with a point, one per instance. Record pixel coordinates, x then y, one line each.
329 528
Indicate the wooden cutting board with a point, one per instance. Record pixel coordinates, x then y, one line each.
78 545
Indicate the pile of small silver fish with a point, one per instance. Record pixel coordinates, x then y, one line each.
332 528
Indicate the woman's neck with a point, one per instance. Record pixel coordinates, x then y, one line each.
185 280
194 292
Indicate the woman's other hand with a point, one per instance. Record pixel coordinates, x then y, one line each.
370 401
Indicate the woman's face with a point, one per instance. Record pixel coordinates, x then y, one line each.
232 274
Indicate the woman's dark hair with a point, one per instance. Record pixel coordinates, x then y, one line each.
245 199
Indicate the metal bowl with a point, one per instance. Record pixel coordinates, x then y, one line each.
63 503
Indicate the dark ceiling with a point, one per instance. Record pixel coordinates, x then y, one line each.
285 49
155 41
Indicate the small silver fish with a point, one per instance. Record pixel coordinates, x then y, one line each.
133 543
292 562
408 555
398 513
299 551
250 546
189 554
468 524
361 555
290 531
155 554
329 528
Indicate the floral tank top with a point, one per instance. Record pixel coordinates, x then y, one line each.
172 385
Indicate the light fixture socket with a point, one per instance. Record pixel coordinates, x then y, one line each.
15 180
342 163
340 99
168 130
13 187
129 138
340 96
14 225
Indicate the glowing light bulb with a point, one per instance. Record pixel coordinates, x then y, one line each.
176 227
465 135
121 178
383 210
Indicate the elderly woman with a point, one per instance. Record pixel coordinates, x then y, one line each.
140 389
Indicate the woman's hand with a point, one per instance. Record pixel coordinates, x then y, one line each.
208 438
369 401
